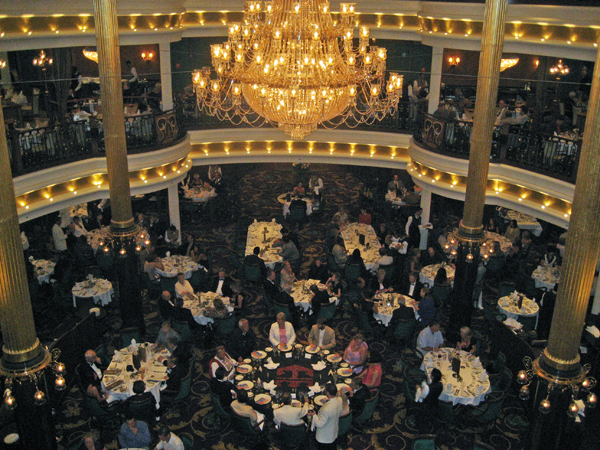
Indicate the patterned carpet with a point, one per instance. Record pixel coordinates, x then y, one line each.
257 188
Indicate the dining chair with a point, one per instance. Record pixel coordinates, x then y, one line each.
293 436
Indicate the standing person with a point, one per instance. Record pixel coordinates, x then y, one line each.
168 440
133 81
59 237
315 184
413 228
76 82
134 434
328 420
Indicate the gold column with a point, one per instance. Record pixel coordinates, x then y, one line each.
561 357
492 43
21 346
107 42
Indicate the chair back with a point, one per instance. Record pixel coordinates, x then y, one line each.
297 213
405 329
144 410
187 440
168 284
370 406
280 307
243 425
351 271
424 442
506 288
362 321
345 424
252 272
528 323
440 294
331 263
389 271
198 279
293 435
183 328
327 311
127 334
186 386
224 327
218 407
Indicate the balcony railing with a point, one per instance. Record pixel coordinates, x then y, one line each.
33 149
514 145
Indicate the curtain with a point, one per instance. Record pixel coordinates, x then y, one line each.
62 78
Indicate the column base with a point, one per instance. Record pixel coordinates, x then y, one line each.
556 372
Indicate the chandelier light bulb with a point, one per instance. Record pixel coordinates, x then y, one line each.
591 400
545 406
9 400
59 383
39 397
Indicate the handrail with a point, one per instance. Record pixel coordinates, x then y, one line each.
34 149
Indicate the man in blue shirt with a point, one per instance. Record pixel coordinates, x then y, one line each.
134 434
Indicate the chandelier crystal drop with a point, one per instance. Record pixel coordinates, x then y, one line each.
290 64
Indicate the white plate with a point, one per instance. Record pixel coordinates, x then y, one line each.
244 368
284 347
259 354
262 399
269 349
343 388
334 358
245 385
320 400
344 372
11 438
312 349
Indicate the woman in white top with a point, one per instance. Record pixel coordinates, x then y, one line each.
183 286
77 228
282 332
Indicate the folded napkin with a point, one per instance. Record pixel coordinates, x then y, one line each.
133 345
512 323
272 365
315 389
270 386
319 366
594 331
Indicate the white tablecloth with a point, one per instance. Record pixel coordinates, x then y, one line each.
176 264
370 250
508 306
428 273
152 372
96 236
384 312
301 293
525 221
100 289
257 232
546 277
43 269
199 194
205 300
467 391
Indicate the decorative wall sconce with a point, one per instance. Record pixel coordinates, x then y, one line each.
2 64
454 61
91 54
147 56
507 63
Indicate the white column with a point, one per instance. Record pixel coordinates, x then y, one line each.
174 215
437 58
164 49
426 205
6 81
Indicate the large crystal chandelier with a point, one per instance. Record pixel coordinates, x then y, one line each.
292 65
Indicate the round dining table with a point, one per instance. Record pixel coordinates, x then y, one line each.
198 303
471 384
121 373
428 273
283 198
369 250
509 306
99 289
387 303
42 269
177 264
302 294
546 277
199 195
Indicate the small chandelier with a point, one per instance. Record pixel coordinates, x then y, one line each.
291 65
560 69
43 60
91 55
120 242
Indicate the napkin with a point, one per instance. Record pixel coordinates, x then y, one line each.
594 331
319 366
133 345
515 295
422 392
168 254
581 407
315 389
270 386
512 323
271 365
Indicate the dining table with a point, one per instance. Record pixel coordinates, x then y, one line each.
525 221
198 194
303 371
263 235
99 289
42 269
509 305
546 277
368 244
121 373
468 386
198 303
387 303
174 264
97 236
428 273
301 293
287 198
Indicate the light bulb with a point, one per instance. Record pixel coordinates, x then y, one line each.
591 400
39 397
59 383
545 406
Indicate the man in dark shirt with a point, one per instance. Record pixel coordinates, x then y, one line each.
176 372
358 396
221 387
270 287
242 342
255 260
221 284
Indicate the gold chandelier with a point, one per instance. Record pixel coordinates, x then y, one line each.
292 65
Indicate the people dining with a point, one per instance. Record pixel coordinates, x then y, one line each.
356 353
466 342
282 332
372 375
183 286
321 335
166 333
222 359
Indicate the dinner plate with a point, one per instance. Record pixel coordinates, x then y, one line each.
334 358
244 368
343 388
269 349
284 347
312 349
239 377
262 399
320 400
344 371
11 438
246 385
344 364
259 354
